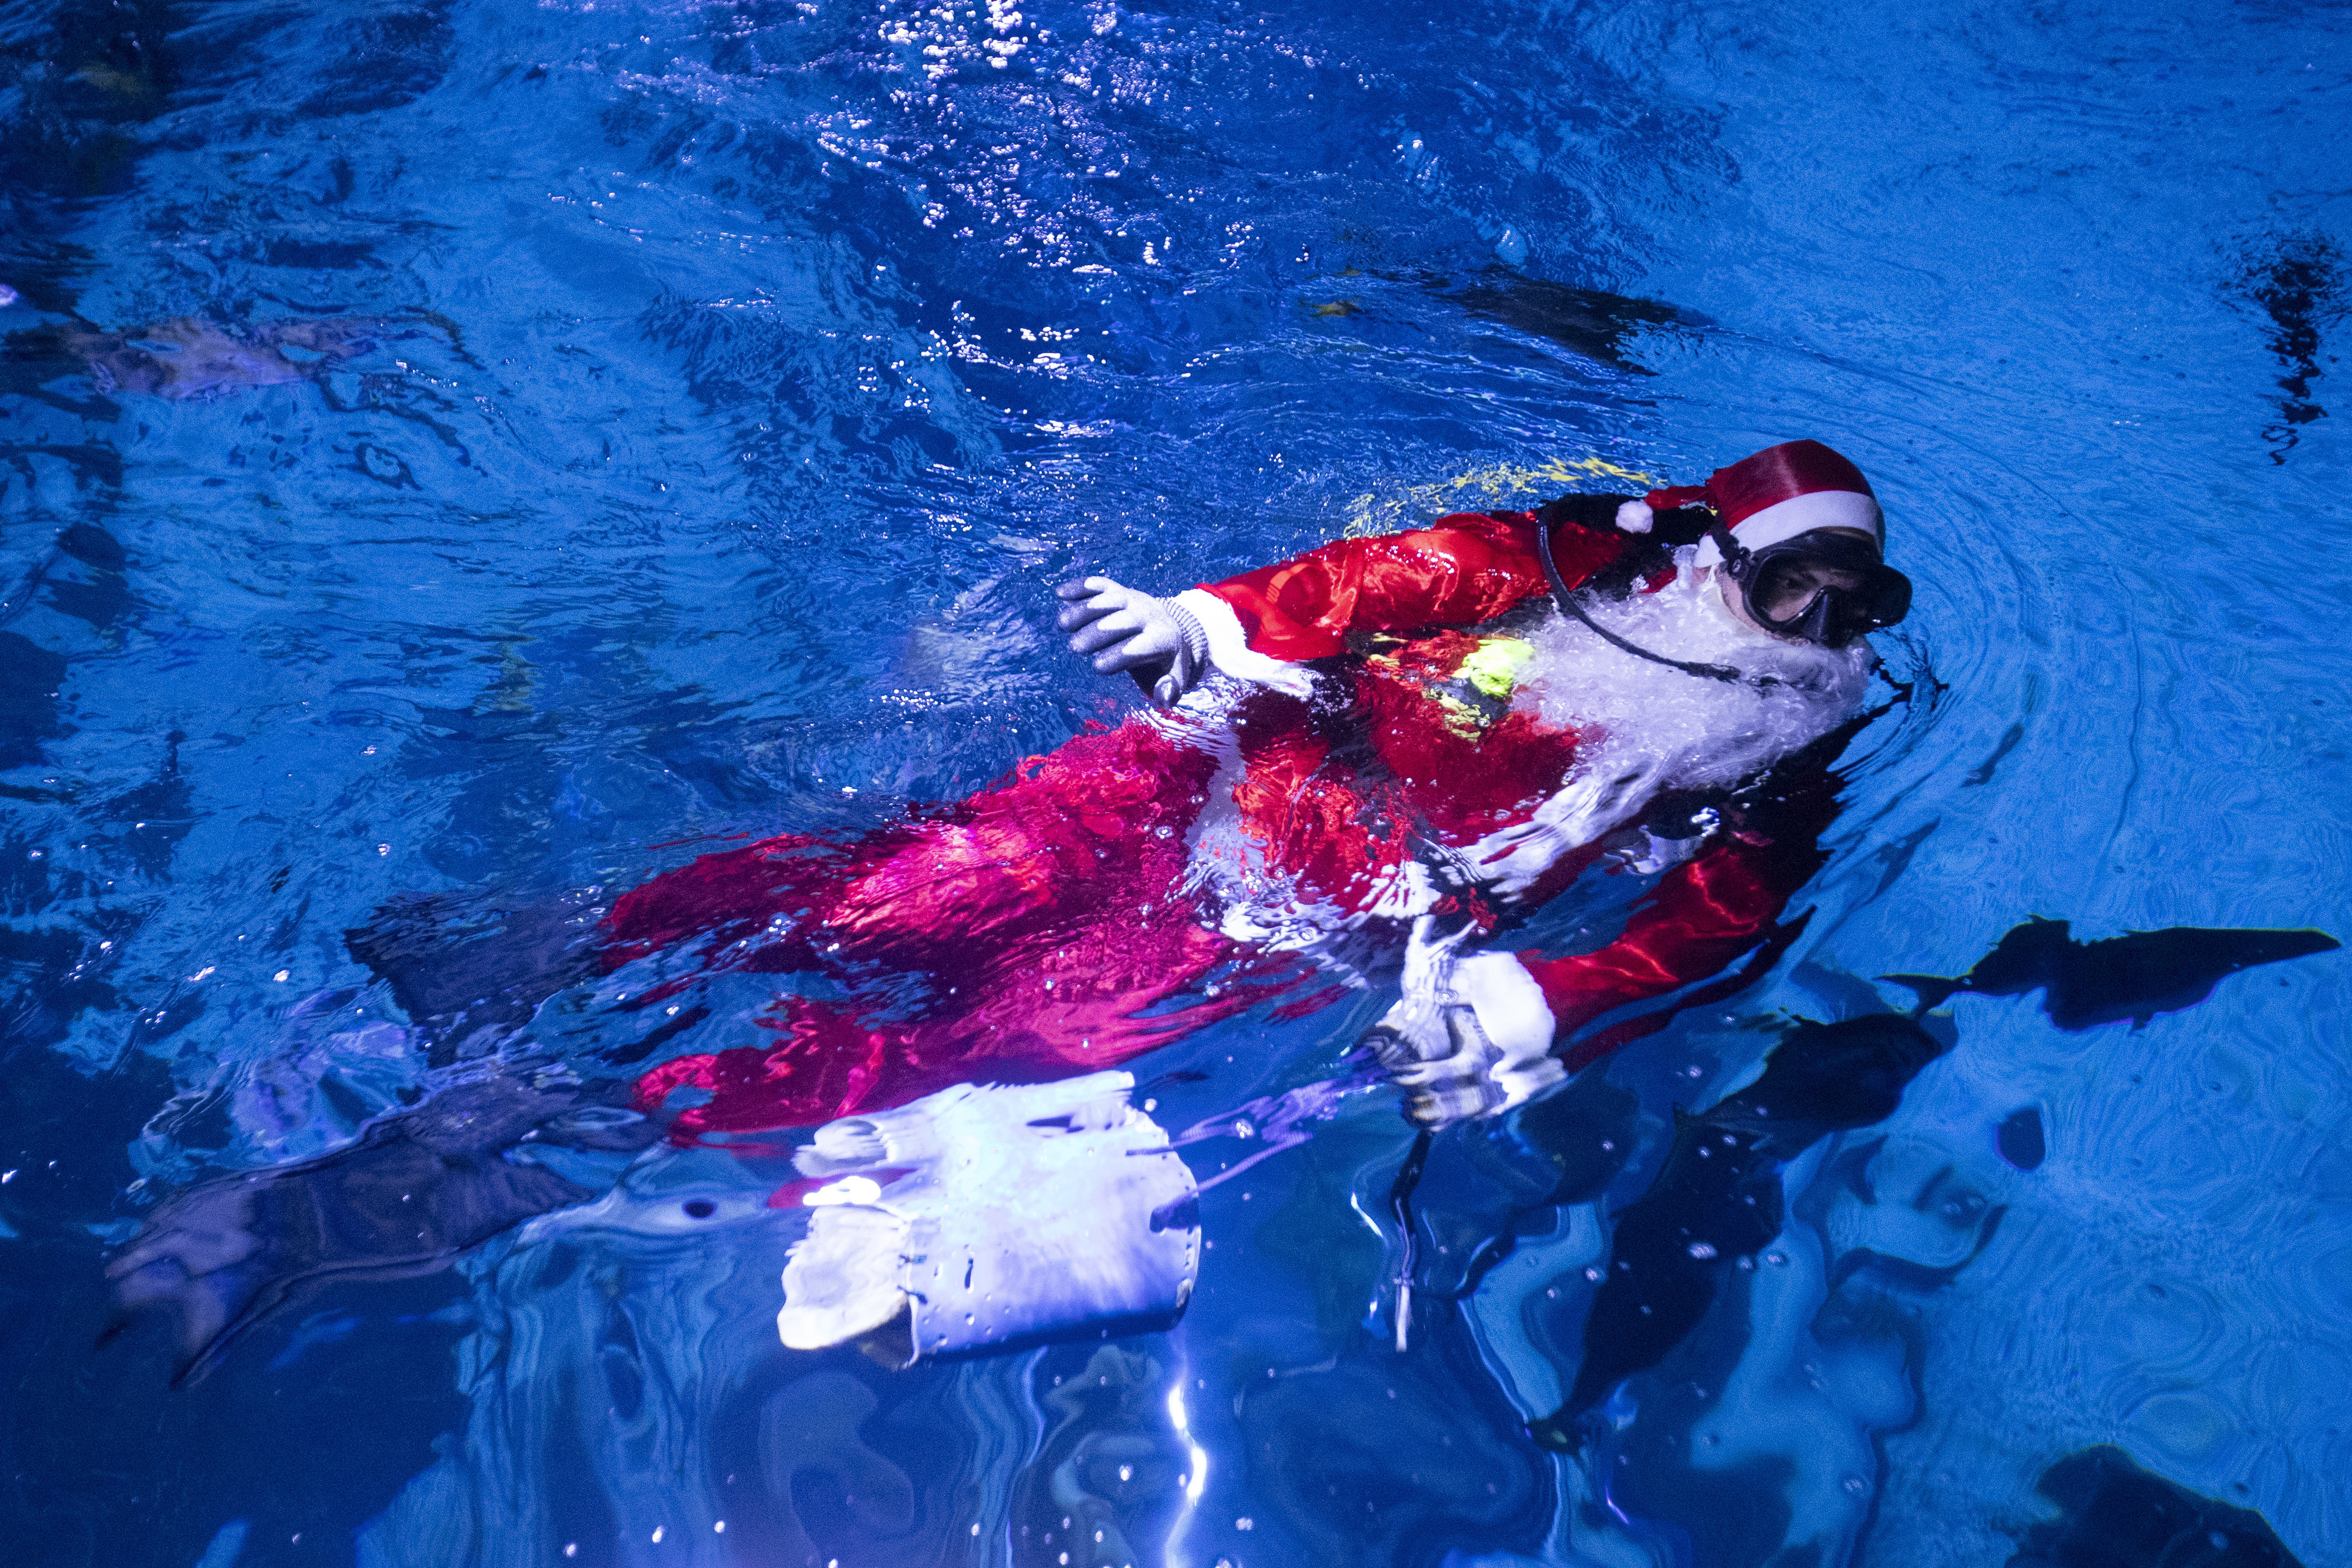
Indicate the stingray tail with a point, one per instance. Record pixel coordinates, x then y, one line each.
1933 990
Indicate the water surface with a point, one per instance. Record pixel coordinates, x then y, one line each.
694 408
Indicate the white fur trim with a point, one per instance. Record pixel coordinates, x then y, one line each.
1510 1007
1229 649
1635 518
1803 514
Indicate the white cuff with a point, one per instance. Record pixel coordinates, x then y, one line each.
1230 651
1195 637
1510 1004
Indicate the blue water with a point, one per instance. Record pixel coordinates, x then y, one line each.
738 380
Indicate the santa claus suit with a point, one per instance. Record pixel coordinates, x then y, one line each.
1399 728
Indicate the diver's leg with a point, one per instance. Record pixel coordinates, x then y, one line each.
734 897
1043 916
1094 828
936 894
1080 1008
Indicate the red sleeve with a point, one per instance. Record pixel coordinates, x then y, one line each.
1704 914
1461 570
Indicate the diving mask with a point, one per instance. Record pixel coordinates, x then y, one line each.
1827 587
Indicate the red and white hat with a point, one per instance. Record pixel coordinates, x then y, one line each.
1775 495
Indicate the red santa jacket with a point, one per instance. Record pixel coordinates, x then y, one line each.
1376 746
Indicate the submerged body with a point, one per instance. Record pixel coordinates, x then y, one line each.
1396 731
186 358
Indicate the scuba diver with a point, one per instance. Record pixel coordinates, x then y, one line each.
1352 750
1443 728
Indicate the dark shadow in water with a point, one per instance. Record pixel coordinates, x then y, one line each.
1586 320
416 1189
393 58
1717 1199
2136 975
2116 1515
93 588
144 824
2299 286
464 963
30 677
69 130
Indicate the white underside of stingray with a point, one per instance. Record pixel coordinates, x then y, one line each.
982 1215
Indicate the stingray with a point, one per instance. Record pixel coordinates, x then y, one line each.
188 359
2136 975
418 1189
1716 1201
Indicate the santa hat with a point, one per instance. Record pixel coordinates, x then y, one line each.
1775 495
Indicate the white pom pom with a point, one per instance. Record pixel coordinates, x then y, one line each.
1635 518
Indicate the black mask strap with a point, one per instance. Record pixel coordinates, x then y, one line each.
1735 554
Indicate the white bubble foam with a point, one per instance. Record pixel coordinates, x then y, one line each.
1669 729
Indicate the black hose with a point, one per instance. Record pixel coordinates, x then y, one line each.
1400 1191
1568 606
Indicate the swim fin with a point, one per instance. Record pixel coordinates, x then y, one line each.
416 1189
983 1217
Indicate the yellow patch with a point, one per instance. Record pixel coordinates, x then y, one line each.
1480 490
1338 308
1494 666
1466 720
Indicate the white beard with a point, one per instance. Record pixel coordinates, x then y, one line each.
1646 729
1696 731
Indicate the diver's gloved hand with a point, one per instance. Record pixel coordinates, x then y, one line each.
1472 1036
1124 630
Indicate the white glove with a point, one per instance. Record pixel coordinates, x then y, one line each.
1613 790
1124 630
1472 1038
